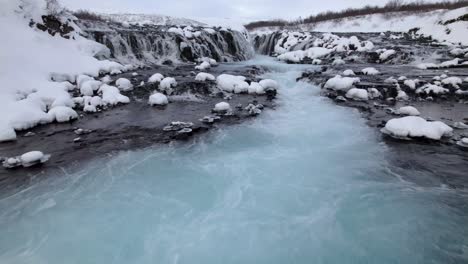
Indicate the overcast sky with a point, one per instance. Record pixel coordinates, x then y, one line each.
239 9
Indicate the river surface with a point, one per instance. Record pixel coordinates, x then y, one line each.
306 183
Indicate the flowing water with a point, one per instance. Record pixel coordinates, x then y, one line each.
306 183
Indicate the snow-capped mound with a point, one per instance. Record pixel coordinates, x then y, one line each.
203 77
370 71
26 160
232 83
357 94
158 99
341 83
157 77
124 84
409 111
414 127
222 107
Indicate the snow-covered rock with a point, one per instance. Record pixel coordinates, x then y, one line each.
124 84
299 55
338 62
62 114
111 95
26 160
348 73
341 83
269 84
357 94
89 86
203 66
167 84
256 88
432 89
414 126
203 77
232 83
402 96
370 71
386 54
463 142
374 93
453 81
408 110
222 107
157 77
410 84
158 99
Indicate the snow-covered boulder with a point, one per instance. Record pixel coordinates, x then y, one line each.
408 110
203 77
222 107
269 84
402 96
157 77
414 127
453 81
124 84
26 160
370 71
167 83
410 84
89 86
203 66
62 114
158 99
341 83
232 83
348 73
386 54
256 88
374 93
357 94
338 62
112 96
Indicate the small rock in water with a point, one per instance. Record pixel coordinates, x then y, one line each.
253 110
177 125
26 160
460 125
463 143
185 131
81 131
78 139
222 107
29 134
210 119
340 99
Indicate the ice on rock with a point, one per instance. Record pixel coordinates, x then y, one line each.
414 127
341 83
124 84
203 77
222 107
357 94
111 95
157 77
158 99
348 73
231 83
370 71
62 114
408 110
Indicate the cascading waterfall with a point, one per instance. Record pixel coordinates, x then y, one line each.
306 183
156 44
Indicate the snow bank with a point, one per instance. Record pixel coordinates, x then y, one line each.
413 126
341 83
35 65
158 99
203 77
232 83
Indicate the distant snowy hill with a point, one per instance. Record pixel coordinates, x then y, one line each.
153 19
442 25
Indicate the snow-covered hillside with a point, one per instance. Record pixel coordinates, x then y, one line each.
153 19
441 25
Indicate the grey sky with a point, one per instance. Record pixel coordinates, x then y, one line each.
237 9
